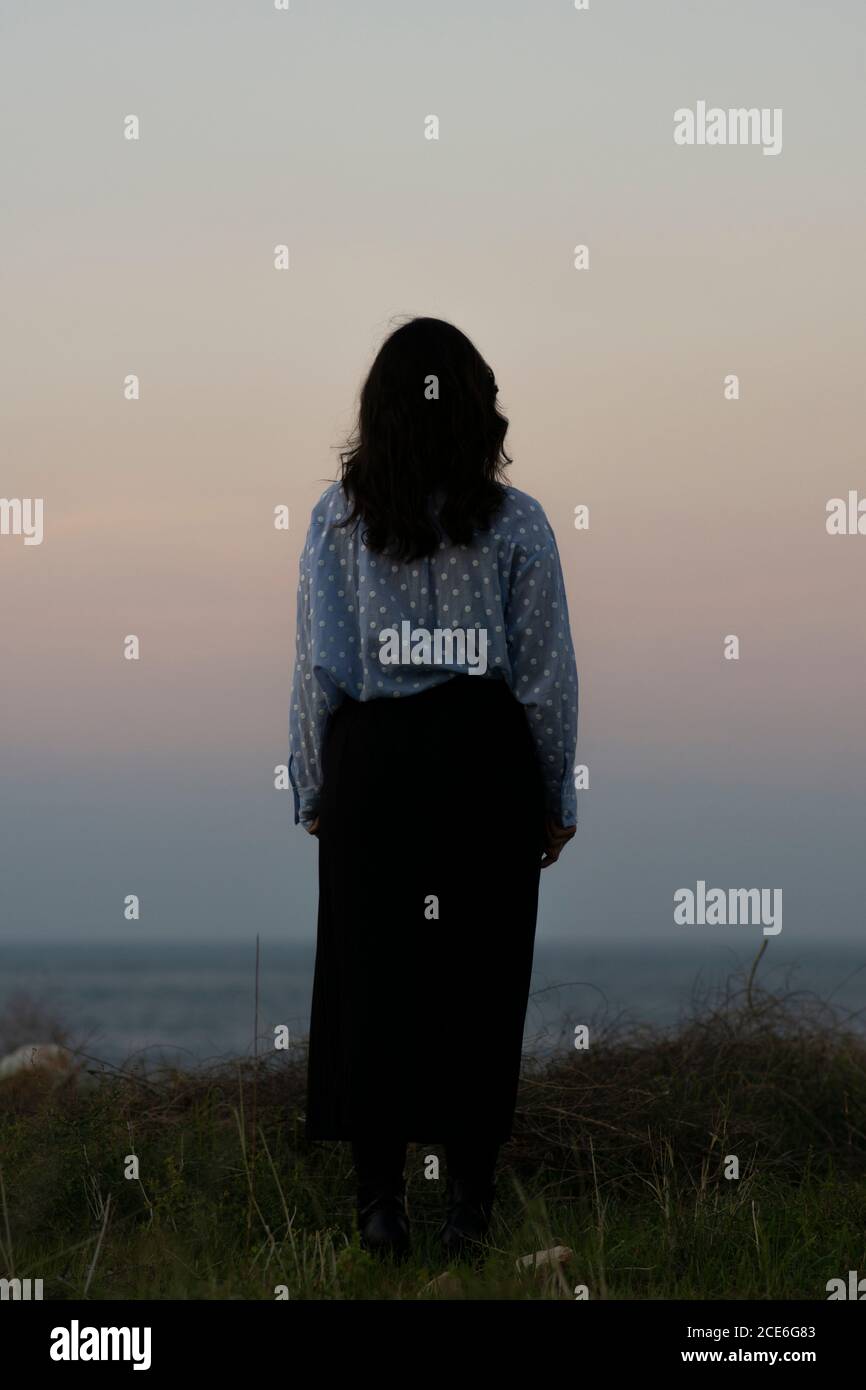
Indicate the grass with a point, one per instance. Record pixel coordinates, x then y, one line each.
619 1153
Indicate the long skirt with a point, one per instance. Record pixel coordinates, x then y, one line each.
430 841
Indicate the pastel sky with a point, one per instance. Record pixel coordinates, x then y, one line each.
707 516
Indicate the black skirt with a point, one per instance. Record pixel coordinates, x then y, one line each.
430 840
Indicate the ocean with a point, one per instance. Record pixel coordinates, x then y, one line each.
195 1003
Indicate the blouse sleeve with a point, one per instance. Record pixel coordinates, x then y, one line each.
543 667
309 707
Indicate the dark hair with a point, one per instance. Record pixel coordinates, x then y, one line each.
407 447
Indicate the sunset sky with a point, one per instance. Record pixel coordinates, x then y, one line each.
707 516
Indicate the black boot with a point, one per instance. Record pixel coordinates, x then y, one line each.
382 1220
380 1161
470 1205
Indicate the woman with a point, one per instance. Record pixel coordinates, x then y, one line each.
433 730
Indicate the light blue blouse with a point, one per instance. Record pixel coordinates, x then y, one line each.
507 585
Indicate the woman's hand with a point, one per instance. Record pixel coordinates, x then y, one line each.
556 837
313 827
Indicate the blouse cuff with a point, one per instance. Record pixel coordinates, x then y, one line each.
568 800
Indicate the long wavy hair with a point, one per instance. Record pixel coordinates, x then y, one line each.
426 460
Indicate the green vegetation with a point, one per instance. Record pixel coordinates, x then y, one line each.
618 1153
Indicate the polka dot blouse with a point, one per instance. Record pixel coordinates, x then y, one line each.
508 582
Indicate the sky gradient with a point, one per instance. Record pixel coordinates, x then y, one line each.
707 516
